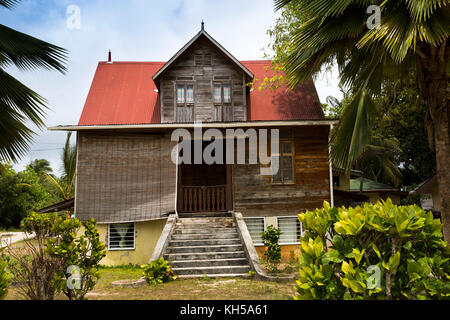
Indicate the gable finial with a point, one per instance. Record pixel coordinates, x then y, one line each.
203 25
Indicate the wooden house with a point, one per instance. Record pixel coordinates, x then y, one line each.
127 181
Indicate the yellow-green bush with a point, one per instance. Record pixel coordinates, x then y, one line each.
378 251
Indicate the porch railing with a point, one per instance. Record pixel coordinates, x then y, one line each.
203 198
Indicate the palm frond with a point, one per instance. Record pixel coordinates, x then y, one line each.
69 158
9 4
353 132
27 52
16 96
15 136
422 9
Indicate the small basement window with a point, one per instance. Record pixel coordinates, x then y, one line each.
121 236
291 229
255 227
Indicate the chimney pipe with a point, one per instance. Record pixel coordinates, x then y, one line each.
109 57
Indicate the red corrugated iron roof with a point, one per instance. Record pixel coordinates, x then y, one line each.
124 93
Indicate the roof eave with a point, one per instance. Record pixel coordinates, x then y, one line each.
247 124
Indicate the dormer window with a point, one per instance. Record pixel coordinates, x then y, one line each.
185 93
222 93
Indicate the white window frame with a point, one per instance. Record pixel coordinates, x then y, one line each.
301 229
265 228
122 249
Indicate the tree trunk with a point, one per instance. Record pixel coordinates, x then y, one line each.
434 87
442 147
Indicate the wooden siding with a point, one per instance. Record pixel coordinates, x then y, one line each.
203 78
255 195
124 177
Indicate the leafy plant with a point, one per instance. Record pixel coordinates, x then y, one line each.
271 237
31 266
158 271
79 255
5 279
46 265
378 251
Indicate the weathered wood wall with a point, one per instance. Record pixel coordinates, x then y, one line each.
255 195
203 77
124 177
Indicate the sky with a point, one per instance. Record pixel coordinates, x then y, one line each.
134 30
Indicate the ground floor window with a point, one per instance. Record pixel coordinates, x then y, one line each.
121 236
255 227
291 230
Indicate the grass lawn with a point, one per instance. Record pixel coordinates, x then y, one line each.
184 289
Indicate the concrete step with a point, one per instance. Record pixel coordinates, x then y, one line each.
209 263
201 236
204 220
198 230
211 225
205 214
203 242
210 248
211 270
204 255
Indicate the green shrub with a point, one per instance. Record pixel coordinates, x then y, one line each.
57 259
79 256
378 251
5 279
271 237
158 271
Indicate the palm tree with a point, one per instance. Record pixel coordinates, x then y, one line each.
66 184
19 103
412 35
41 166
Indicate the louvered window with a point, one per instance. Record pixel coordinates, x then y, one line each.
291 230
121 236
255 227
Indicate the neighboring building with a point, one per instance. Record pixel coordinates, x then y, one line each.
127 182
429 191
353 190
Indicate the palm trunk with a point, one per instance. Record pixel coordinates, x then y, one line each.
434 88
442 147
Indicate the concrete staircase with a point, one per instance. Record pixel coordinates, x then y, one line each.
206 244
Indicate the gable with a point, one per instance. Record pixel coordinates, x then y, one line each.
204 37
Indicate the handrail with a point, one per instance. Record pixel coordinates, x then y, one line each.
164 238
